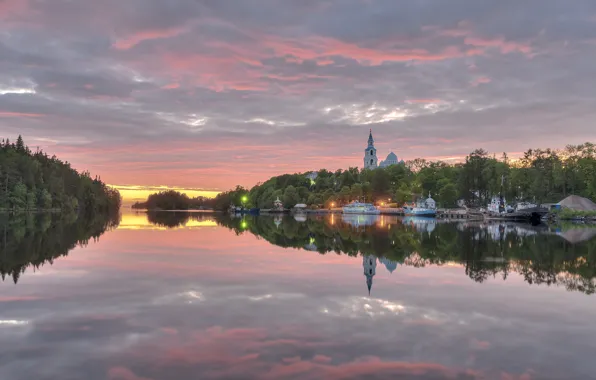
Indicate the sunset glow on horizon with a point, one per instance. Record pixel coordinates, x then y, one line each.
202 96
131 194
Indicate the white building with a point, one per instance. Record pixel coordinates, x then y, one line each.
370 153
370 156
430 203
312 175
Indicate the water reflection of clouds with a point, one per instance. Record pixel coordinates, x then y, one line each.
171 304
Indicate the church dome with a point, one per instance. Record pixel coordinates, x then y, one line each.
391 157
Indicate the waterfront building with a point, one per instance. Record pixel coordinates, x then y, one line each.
278 205
312 175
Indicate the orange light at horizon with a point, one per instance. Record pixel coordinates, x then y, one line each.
133 193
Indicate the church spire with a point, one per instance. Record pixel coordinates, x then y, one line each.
370 153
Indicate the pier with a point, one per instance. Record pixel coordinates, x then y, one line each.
458 214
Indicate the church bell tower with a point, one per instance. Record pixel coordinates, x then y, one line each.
370 153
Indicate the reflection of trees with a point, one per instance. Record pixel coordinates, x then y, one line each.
168 219
173 219
540 258
35 239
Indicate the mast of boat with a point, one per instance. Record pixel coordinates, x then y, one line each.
501 203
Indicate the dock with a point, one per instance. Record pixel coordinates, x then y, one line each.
458 214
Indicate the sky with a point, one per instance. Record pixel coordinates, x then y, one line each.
207 94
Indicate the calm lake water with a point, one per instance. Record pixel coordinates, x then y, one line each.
175 296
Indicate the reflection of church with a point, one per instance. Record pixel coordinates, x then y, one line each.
369 263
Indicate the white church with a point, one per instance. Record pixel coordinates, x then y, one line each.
370 156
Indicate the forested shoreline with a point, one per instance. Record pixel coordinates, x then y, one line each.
31 181
540 175
173 200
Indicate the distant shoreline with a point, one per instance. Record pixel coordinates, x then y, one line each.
190 211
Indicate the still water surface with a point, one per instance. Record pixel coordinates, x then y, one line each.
175 296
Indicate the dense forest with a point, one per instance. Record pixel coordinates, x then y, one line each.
174 200
539 256
540 175
35 181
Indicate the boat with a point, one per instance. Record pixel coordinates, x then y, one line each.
524 206
425 208
524 211
497 205
360 208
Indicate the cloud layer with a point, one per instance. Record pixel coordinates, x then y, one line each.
208 94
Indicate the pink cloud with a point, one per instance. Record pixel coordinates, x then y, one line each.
226 66
18 298
479 344
499 43
122 373
19 114
136 38
10 7
319 48
362 367
466 30
480 80
322 359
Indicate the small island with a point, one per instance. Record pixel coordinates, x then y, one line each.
172 200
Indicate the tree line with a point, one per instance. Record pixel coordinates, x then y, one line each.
174 200
540 176
35 181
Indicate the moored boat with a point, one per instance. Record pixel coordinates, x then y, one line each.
424 208
360 208
524 206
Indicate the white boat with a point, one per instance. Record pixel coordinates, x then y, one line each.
427 208
360 208
497 205
524 205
